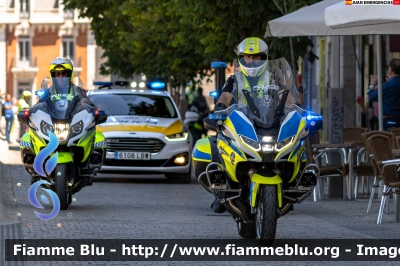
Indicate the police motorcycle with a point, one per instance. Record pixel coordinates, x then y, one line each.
256 165
67 120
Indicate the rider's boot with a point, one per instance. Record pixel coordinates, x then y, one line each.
217 206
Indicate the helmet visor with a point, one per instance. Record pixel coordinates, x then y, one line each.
61 84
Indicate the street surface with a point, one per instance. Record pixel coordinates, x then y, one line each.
140 207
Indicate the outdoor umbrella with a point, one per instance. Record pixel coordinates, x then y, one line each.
352 20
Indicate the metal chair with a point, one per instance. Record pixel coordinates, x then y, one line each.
380 146
314 156
353 133
369 167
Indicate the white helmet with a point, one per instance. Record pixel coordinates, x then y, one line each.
253 46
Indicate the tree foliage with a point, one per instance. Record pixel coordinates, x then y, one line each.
177 40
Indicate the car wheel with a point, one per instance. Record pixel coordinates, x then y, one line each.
180 178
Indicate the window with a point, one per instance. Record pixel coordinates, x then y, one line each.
68 47
24 45
135 105
24 6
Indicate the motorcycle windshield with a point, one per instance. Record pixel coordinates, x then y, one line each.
62 85
61 107
264 96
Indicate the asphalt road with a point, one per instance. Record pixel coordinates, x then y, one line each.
148 207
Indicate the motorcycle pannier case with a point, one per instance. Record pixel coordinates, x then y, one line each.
204 152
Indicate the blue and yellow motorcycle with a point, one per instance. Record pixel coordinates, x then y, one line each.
256 164
62 137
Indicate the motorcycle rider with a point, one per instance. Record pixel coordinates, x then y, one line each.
61 71
253 71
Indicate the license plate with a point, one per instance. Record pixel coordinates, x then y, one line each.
127 155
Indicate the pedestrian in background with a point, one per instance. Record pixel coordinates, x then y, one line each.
2 112
23 103
9 115
390 95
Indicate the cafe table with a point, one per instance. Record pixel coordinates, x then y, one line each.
348 148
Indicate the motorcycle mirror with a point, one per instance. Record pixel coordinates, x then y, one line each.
100 116
190 117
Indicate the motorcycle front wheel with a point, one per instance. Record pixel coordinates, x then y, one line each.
267 215
61 184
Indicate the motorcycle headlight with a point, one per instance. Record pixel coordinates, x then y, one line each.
77 128
251 143
44 127
284 143
177 137
268 143
61 131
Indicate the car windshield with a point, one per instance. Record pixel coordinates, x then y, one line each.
134 104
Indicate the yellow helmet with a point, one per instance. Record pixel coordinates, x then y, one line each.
61 64
252 46
26 94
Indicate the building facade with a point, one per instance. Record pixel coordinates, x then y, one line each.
32 33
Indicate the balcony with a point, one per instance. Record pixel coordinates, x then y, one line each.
24 68
46 15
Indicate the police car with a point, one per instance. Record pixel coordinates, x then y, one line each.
144 131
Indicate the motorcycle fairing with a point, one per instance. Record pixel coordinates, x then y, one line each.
86 143
202 151
230 157
257 179
64 157
293 127
237 125
100 140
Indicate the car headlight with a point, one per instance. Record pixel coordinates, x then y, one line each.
44 127
77 128
61 131
251 143
177 137
284 143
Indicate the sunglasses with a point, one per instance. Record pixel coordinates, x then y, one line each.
60 74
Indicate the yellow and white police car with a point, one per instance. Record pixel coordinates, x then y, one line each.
144 131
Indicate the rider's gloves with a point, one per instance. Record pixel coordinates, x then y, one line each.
219 107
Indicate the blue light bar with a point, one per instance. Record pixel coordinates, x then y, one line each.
156 85
217 117
214 94
219 64
102 83
42 93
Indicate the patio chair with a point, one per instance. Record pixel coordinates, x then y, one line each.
380 146
396 131
353 133
369 167
314 156
397 139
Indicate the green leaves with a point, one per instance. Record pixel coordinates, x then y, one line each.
178 39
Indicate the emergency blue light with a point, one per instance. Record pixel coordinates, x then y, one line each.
102 83
314 121
42 93
156 85
219 65
217 117
214 94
